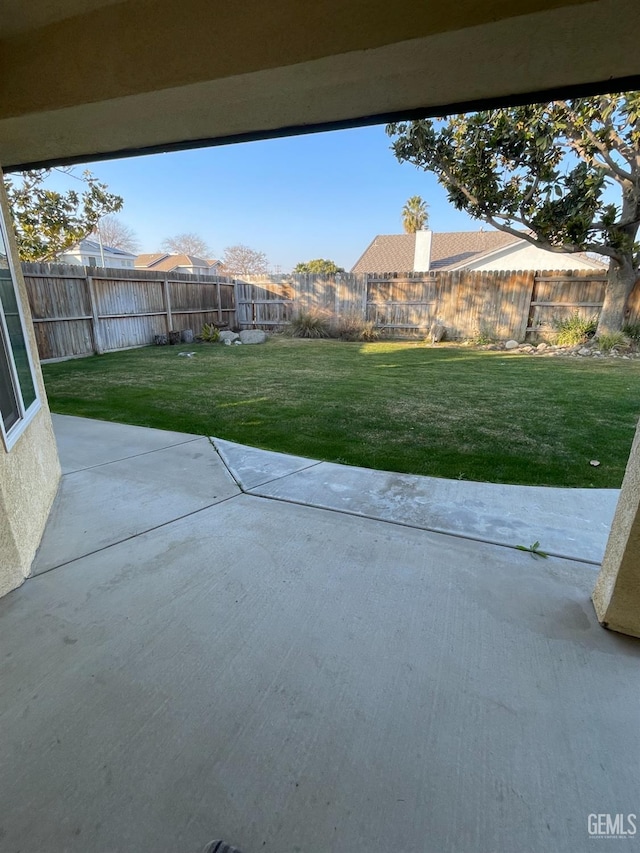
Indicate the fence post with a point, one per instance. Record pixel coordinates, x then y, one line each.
529 280
365 294
236 304
167 304
219 302
95 325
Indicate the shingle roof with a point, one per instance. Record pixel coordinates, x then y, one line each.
87 245
449 250
457 247
149 259
395 252
387 253
165 263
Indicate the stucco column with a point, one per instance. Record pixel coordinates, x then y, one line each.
29 470
616 596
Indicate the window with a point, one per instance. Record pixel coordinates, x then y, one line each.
18 395
93 262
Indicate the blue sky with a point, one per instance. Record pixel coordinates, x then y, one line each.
320 195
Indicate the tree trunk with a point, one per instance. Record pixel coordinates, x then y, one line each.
620 283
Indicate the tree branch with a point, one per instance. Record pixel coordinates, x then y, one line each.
575 134
566 248
534 186
493 219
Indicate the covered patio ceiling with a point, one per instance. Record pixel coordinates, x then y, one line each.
85 79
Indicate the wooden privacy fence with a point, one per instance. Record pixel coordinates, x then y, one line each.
83 310
79 311
503 305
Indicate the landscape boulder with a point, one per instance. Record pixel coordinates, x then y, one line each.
437 333
229 337
511 345
253 336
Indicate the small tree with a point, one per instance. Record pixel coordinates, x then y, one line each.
241 260
188 244
545 168
318 266
48 222
414 215
114 233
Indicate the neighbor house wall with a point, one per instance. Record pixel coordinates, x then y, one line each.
530 257
30 471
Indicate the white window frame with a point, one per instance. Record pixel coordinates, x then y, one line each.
9 437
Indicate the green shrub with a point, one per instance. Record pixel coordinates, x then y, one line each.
483 336
575 329
632 331
614 341
310 324
352 327
210 334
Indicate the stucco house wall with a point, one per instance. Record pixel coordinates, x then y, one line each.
529 257
88 253
30 470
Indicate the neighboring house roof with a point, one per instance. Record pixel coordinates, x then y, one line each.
395 252
214 262
150 258
164 262
93 247
517 243
387 253
449 250
457 248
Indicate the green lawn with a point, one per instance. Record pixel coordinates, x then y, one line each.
446 412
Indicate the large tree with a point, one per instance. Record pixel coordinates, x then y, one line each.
48 222
188 244
116 234
544 173
319 266
414 215
242 260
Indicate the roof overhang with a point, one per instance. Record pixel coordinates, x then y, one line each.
89 79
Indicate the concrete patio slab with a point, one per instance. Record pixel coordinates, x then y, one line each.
571 523
252 467
293 679
84 443
104 504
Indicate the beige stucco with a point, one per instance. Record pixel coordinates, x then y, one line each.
81 80
616 596
528 257
29 472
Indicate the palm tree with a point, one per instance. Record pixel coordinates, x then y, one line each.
414 215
